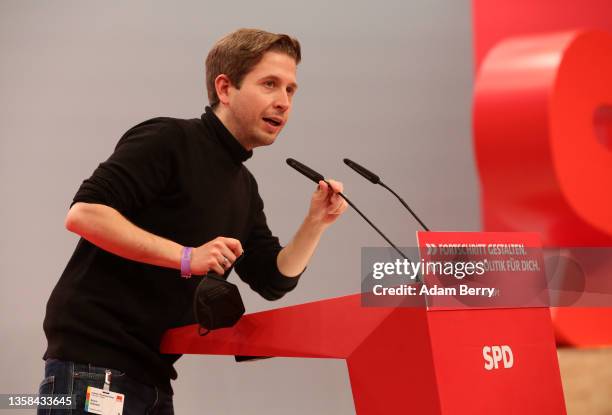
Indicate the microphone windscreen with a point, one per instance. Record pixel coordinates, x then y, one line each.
305 170
363 171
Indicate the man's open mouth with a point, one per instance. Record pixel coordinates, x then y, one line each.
272 121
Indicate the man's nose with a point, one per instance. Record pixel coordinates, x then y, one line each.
283 102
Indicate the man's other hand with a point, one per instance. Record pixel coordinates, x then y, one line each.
215 256
326 205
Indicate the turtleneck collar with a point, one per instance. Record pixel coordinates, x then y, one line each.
238 153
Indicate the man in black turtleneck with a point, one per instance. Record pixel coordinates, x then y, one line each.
174 199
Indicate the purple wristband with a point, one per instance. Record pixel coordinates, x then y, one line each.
186 262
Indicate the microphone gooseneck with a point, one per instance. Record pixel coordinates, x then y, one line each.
376 180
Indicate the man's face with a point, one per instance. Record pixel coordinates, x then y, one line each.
258 111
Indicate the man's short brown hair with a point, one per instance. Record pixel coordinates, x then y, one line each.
237 53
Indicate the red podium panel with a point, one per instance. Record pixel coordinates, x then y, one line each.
407 359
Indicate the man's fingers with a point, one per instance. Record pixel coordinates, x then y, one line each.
323 187
337 187
224 262
338 207
334 203
226 252
234 245
217 268
322 190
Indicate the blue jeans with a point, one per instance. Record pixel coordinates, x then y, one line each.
62 377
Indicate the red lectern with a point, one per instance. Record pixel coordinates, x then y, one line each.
420 360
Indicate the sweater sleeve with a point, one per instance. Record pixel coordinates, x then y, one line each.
258 268
137 171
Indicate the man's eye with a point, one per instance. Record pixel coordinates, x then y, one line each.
269 84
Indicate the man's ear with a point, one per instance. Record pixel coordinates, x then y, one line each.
222 86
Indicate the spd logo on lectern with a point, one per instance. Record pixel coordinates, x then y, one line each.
494 355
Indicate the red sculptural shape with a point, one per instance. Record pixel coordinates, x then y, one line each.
542 131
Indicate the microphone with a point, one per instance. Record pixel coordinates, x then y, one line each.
376 180
316 177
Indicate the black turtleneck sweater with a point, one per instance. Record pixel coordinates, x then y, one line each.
179 179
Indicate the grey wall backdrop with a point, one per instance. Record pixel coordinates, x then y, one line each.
387 83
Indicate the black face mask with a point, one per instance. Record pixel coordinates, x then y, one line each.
216 304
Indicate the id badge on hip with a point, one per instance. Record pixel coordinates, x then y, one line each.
103 401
